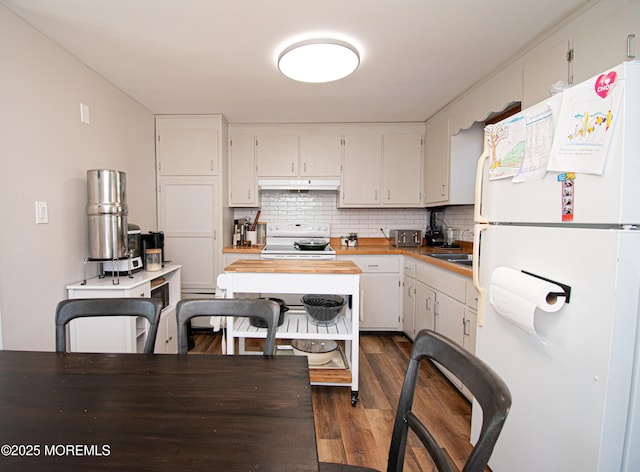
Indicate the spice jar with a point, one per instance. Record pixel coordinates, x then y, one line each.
153 259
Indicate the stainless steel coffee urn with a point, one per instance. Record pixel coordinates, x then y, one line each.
107 214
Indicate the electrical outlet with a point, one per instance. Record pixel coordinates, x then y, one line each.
42 213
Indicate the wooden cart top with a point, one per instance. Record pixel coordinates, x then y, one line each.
294 267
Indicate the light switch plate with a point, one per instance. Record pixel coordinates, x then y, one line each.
84 113
42 213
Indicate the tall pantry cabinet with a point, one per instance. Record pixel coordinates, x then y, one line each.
193 211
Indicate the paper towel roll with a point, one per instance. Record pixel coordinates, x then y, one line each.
516 296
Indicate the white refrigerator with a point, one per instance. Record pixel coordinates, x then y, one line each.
572 367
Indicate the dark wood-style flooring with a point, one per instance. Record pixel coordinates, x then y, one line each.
361 435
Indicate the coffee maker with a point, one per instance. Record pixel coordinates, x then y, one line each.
435 233
152 240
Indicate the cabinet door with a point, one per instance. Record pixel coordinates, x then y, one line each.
450 323
243 188
408 306
543 70
425 307
320 155
187 146
186 214
380 303
470 329
277 155
402 170
616 41
167 340
449 318
436 162
362 170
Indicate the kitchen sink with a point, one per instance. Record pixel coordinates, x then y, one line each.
455 258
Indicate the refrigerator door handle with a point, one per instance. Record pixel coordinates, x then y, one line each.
477 208
477 230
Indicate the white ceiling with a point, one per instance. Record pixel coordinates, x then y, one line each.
219 56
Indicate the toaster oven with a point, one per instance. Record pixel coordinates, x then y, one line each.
406 237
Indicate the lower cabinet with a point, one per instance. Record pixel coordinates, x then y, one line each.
425 317
445 302
167 339
126 334
380 298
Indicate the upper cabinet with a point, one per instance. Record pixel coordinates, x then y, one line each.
277 155
610 40
361 171
601 37
187 146
243 185
436 164
293 151
320 155
402 169
383 168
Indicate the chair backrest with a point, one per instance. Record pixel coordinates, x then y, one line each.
266 310
487 387
68 310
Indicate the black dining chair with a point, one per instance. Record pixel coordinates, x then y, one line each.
487 387
68 310
266 310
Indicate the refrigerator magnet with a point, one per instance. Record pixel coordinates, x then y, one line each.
567 182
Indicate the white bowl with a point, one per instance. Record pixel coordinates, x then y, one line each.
318 352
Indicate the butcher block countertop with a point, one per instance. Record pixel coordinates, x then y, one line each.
378 246
294 267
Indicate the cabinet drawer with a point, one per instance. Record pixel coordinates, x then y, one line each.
409 267
376 263
442 280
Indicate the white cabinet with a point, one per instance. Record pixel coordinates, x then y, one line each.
192 209
277 155
187 145
292 151
382 169
408 296
380 300
243 184
187 215
320 155
402 170
125 334
425 317
544 69
446 302
436 163
167 339
361 170
621 27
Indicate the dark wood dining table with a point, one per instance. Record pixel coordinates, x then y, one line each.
129 412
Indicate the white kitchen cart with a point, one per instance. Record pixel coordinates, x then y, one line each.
301 277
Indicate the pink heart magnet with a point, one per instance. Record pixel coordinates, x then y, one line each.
605 83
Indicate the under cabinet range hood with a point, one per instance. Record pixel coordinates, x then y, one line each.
298 184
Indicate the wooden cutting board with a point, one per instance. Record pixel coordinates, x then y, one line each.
294 267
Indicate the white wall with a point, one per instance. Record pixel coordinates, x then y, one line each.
45 152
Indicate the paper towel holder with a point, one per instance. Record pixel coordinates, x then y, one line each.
566 293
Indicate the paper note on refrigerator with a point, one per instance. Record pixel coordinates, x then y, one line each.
539 128
506 143
586 124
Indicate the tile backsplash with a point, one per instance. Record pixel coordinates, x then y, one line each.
322 206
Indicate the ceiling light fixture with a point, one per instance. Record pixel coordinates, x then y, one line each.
319 60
